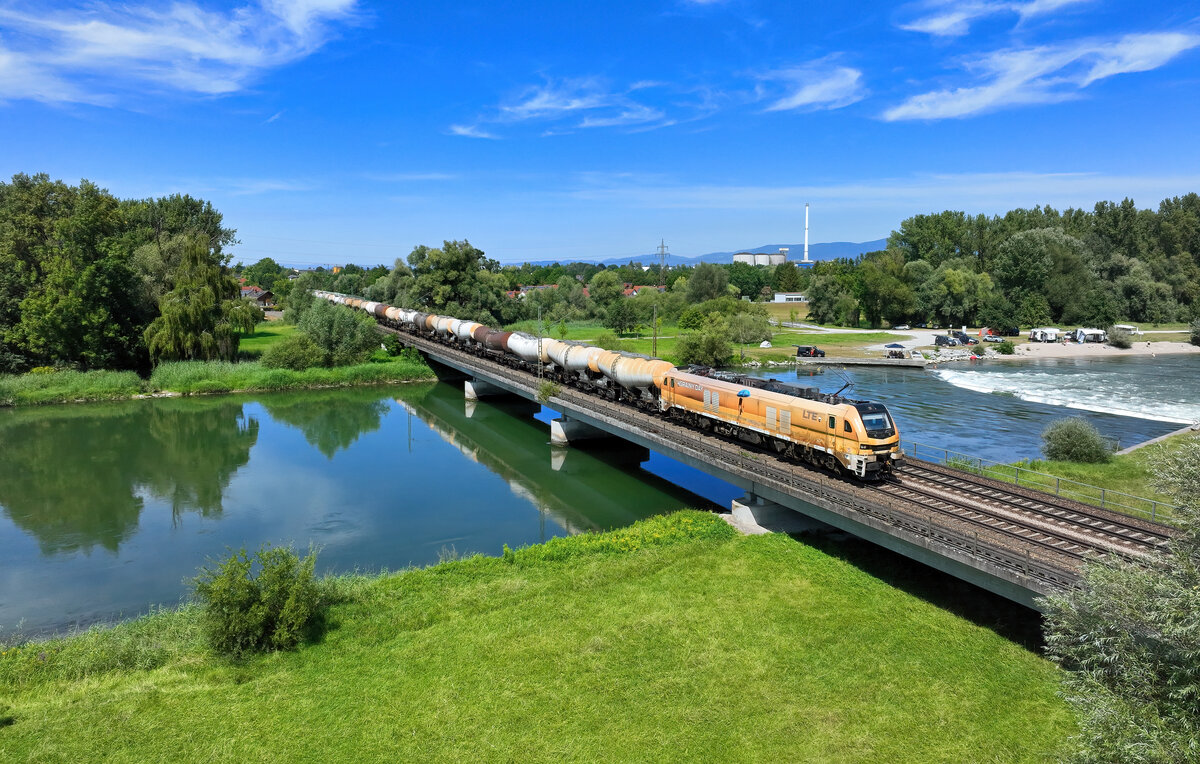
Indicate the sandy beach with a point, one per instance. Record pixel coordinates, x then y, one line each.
1096 350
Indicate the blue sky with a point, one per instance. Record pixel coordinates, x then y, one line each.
340 130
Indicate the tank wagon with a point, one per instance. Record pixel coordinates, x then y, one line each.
800 423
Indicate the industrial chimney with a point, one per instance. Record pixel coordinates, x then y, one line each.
806 232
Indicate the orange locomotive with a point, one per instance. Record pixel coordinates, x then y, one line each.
834 432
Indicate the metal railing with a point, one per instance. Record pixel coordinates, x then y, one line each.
1105 498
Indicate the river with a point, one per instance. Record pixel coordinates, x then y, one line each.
108 509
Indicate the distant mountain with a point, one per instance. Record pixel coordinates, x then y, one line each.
830 250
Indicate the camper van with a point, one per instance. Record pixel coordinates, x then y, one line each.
1045 334
1130 329
1088 335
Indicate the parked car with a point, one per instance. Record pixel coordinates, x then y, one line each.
901 328
964 338
943 341
992 338
810 351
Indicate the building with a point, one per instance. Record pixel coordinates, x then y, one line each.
789 297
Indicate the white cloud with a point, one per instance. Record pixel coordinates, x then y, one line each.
950 18
1045 74
817 85
556 99
470 131
92 53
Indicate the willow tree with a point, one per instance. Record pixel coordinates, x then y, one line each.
201 316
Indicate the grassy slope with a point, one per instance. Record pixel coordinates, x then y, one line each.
1129 473
266 333
672 640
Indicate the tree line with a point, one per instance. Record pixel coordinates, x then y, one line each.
90 281
1023 268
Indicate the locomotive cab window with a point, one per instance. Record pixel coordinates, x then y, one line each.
833 423
846 425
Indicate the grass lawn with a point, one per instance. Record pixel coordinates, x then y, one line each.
673 640
1128 474
782 311
267 333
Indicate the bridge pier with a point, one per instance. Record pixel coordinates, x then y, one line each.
614 451
564 431
477 389
755 515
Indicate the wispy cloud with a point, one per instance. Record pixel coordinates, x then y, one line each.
815 85
273 117
1046 74
565 105
470 131
952 18
99 51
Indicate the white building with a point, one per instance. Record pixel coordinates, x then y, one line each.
789 297
762 258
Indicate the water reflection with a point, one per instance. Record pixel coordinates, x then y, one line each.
331 420
75 479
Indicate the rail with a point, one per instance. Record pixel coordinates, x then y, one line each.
767 471
1105 498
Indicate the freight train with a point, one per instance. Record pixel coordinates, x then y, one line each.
800 423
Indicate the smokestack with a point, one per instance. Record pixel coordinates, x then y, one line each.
806 232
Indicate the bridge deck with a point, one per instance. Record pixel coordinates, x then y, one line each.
1020 566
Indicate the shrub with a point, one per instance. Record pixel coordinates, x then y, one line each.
1195 327
608 341
707 347
547 390
296 352
345 336
1119 338
258 604
1006 348
1075 440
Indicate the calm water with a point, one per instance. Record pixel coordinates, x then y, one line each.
106 509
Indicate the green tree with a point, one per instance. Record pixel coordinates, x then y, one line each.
749 279
264 273
201 316
707 282
1128 637
749 328
787 277
605 288
621 317
344 336
708 346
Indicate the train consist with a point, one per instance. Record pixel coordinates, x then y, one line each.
800 423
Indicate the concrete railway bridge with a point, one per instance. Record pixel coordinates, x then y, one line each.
1010 540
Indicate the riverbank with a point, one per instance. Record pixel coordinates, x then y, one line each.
199 378
673 639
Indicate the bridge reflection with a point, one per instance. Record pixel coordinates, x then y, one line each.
599 487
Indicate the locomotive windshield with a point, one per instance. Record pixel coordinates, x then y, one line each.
876 420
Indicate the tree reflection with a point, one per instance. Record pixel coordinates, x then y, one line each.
74 478
332 420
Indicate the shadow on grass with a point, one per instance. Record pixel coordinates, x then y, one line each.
1010 620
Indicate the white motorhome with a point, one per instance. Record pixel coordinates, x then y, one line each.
1088 335
1045 334
1132 330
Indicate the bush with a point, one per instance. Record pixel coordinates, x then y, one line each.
296 352
1119 338
1006 348
345 336
608 341
1075 440
1195 326
707 347
258 604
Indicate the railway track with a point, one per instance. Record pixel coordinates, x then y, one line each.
1072 527
1043 538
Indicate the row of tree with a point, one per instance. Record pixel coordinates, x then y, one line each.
1024 268
90 281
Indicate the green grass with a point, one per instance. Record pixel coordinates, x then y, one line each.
194 377
191 377
266 334
1129 474
673 640
68 386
